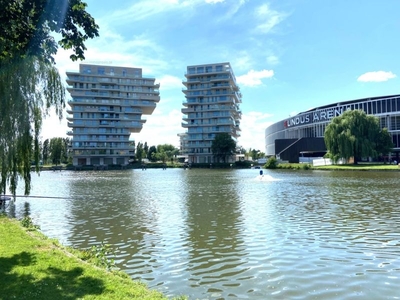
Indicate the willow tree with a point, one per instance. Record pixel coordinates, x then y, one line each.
30 83
354 134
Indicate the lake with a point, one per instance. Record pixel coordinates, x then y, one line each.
231 234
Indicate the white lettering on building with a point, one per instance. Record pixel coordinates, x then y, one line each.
317 116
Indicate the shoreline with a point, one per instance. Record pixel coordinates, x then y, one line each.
34 266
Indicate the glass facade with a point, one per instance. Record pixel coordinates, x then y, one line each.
312 123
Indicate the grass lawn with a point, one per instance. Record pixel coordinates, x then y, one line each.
35 267
361 167
348 167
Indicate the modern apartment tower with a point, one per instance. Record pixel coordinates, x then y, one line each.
211 107
106 107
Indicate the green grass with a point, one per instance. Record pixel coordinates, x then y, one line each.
360 167
35 267
347 167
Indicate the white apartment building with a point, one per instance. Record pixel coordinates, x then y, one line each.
106 107
211 107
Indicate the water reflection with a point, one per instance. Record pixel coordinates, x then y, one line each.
226 234
213 224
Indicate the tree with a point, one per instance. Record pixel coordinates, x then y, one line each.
354 134
384 143
254 154
29 82
28 25
163 152
56 146
151 153
157 156
223 146
139 154
166 151
58 150
45 151
146 149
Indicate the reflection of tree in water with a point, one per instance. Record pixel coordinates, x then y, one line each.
114 212
214 227
27 209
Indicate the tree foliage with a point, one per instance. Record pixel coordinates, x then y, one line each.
272 163
355 135
151 153
58 150
256 154
163 152
29 82
384 143
45 150
28 25
139 153
223 146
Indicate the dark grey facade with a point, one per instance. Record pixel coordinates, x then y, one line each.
303 134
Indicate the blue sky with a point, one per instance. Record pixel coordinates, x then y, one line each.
288 55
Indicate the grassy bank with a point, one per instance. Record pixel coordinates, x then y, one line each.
349 167
35 267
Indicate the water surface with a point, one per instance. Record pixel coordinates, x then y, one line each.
231 234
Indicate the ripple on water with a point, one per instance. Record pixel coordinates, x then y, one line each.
223 234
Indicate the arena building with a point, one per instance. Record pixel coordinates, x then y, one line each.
303 135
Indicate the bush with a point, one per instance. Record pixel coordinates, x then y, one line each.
306 166
271 163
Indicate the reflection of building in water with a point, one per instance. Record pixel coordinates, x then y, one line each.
214 229
303 134
211 107
106 107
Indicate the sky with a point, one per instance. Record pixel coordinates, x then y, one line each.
288 56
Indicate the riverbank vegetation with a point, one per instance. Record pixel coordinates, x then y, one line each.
30 84
35 267
344 167
354 135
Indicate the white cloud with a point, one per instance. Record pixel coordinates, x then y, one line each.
170 82
142 10
242 61
235 8
377 76
214 1
268 18
273 59
254 78
161 128
253 125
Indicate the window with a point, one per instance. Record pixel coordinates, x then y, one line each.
379 107
373 107
383 106
394 108
100 71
